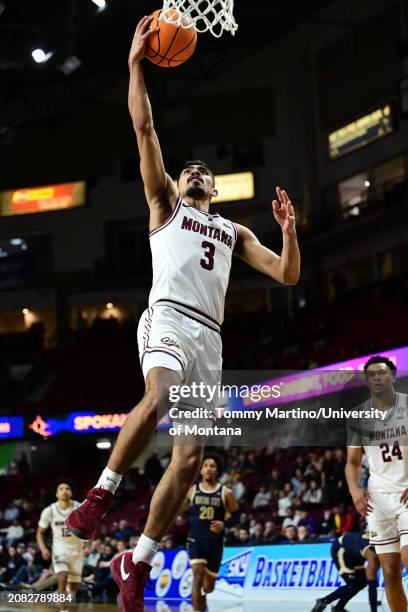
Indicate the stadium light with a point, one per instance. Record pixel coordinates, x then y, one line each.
40 56
25 311
103 444
101 4
16 241
2 8
109 305
69 65
367 183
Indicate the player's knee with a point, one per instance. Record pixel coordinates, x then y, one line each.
187 466
198 573
392 574
155 404
404 557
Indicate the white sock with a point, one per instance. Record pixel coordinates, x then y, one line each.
145 550
109 480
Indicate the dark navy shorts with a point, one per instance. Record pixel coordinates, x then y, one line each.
207 551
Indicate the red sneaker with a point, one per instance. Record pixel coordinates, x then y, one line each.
83 520
131 579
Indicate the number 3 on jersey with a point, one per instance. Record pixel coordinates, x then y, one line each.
208 263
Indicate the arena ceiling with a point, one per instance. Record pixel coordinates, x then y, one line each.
100 40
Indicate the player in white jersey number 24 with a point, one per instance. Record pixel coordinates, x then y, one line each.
67 549
385 503
179 335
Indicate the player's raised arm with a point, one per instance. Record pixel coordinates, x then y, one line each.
361 499
160 190
284 268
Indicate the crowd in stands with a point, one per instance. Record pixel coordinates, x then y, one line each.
298 495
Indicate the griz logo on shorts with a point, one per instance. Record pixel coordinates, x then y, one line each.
169 342
373 534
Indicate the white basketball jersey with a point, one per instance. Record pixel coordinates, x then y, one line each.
385 444
53 516
191 256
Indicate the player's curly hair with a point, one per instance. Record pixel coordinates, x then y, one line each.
215 457
380 359
62 480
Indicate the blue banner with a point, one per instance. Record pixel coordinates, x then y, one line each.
287 572
11 427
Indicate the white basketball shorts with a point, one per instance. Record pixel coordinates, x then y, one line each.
67 559
185 341
388 522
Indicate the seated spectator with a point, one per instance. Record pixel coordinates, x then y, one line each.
275 483
271 534
13 561
261 499
307 520
327 525
297 481
13 533
314 466
239 489
232 536
303 535
244 520
31 569
290 536
120 547
243 537
257 536
290 519
125 531
12 512
343 519
102 579
250 465
166 543
314 494
92 556
285 499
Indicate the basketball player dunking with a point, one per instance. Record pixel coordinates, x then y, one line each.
384 442
210 502
179 334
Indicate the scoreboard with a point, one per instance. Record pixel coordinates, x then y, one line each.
361 132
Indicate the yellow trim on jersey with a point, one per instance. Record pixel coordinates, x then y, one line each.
195 561
343 567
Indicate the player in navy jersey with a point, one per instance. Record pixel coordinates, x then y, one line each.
350 553
210 503
179 334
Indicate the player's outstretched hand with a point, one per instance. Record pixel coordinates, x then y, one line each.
362 503
216 526
284 212
404 497
142 33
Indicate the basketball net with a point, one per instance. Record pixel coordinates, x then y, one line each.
213 16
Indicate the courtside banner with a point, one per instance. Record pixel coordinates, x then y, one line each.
287 572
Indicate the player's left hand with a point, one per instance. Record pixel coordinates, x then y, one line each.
404 497
284 212
216 526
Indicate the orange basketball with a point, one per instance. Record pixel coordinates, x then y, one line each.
172 45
